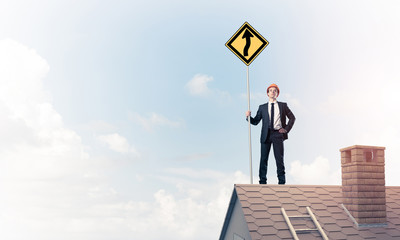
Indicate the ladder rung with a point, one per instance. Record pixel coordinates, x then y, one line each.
310 215
300 216
291 228
306 230
321 231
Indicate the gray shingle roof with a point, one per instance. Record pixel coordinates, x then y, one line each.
261 205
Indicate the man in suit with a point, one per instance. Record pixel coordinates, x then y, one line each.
273 132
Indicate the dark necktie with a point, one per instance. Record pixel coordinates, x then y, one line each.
272 115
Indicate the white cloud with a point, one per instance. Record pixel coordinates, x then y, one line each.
52 189
46 178
196 212
117 143
155 120
99 126
35 143
316 173
370 93
366 110
198 86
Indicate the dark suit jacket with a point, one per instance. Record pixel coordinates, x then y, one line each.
262 114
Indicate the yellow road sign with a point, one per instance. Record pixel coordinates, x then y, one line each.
246 43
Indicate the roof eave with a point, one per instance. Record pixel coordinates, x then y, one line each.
229 213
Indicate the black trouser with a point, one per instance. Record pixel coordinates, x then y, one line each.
276 139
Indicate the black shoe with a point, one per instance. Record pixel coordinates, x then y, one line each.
281 183
262 182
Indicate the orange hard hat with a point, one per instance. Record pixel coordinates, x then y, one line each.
275 86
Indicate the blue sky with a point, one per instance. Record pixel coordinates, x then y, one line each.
125 119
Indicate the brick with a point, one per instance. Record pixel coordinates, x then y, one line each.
344 170
369 214
357 158
357 188
366 207
361 147
359 168
379 175
379 188
368 188
357 151
374 181
375 220
380 159
361 220
345 154
344 182
354 181
364 168
378 200
354 175
364 163
371 201
371 175
368 175
360 175
380 153
349 195
347 176
371 220
371 194
345 160
374 168
369 169
347 164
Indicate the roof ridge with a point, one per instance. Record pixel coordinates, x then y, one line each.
283 186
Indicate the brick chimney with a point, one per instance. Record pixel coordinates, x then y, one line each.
363 183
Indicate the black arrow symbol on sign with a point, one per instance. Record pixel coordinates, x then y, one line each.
247 35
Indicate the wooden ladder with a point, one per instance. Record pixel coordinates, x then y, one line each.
295 231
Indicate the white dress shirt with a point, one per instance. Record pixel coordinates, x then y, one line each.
277 115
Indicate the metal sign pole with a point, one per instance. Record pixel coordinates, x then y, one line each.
247 44
248 119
